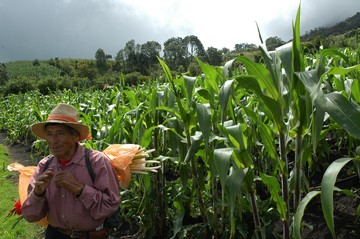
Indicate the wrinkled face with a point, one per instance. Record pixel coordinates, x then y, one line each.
62 140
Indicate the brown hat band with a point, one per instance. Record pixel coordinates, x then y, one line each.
61 117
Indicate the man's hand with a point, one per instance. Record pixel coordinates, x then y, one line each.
67 181
43 181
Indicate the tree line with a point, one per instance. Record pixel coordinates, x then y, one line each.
178 52
138 63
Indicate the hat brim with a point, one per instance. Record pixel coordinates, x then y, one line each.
39 128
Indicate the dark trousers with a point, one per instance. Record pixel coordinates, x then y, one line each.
52 233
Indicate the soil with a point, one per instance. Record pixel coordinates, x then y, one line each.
18 153
314 226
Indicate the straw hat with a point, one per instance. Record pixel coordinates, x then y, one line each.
62 114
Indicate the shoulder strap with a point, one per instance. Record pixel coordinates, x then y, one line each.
88 164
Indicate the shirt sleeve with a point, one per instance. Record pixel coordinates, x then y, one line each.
34 207
103 198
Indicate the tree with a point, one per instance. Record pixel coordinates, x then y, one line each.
3 74
87 70
100 59
130 56
214 56
194 69
273 42
181 52
147 57
151 50
36 62
120 60
175 52
245 47
194 48
225 50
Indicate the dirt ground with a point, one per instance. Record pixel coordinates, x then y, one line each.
18 153
347 224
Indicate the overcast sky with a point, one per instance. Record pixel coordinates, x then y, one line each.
44 29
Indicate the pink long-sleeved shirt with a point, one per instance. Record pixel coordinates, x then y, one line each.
98 200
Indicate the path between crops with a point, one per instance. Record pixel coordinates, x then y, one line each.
18 153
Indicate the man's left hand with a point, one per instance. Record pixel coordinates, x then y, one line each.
68 181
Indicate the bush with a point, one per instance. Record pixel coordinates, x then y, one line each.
18 85
3 74
47 85
135 78
106 80
80 82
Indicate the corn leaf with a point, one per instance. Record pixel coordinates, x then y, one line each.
262 75
267 138
204 120
224 96
270 107
300 212
236 136
189 84
327 191
343 112
234 182
275 191
212 76
222 163
342 71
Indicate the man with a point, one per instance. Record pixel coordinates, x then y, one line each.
63 190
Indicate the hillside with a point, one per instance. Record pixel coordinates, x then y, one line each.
347 26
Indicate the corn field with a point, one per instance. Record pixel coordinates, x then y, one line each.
238 145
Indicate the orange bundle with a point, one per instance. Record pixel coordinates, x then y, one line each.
127 159
24 180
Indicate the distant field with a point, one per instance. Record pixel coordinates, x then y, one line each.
18 69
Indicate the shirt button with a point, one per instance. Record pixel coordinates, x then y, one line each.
62 195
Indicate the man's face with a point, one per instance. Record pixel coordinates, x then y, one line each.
61 140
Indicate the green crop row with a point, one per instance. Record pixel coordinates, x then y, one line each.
28 69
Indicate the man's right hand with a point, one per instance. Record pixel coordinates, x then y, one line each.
43 181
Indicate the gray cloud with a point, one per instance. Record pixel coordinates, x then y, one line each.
44 29
313 14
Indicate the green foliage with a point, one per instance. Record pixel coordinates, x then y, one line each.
87 70
100 58
273 42
194 69
135 78
27 69
18 85
3 74
36 62
47 85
